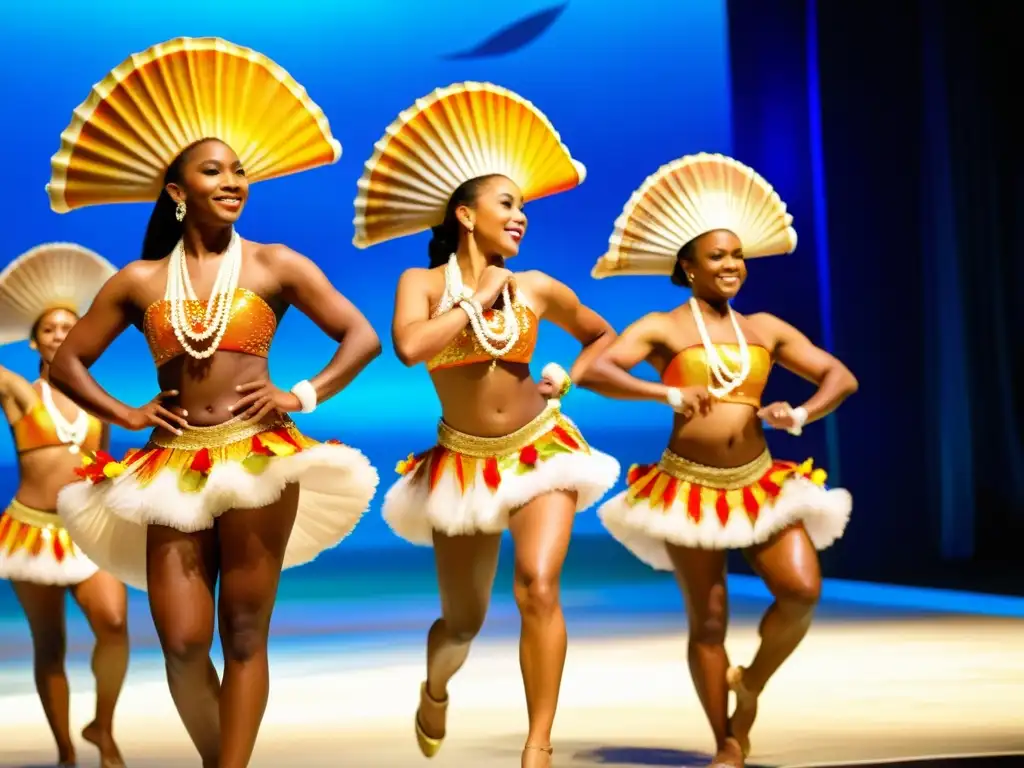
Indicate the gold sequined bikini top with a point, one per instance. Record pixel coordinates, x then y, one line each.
35 429
690 369
465 348
250 330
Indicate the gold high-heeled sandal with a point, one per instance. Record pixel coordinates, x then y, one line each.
429 745
744 697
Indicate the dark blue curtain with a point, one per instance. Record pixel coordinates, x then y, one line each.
902 110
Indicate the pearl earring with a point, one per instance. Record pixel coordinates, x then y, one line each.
179 212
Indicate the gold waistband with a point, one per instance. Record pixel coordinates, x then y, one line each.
34 517
217 436
486 447
723 478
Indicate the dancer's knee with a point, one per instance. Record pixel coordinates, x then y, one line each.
537 595
244 633
799 594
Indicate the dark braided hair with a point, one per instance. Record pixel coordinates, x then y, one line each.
445 238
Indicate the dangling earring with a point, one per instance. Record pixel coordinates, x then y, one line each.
691 278
179 212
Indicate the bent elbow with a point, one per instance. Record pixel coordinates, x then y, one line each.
852 385
592 373
406 353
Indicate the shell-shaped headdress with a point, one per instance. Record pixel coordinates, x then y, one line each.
124 136
50 276
683 200
445 139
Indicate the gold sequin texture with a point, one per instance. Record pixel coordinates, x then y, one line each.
465 348
250 329
690 369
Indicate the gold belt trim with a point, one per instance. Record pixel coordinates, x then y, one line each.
486 447
722 478
217 436
34 517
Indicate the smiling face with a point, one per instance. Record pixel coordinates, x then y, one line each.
496 220
50 331
715 266
212 184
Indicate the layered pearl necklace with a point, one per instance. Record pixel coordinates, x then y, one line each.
456 294
72 434
727 379
179 293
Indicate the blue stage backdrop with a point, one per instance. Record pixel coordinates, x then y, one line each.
628 89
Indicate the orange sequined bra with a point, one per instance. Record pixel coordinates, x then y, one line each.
37 429
466 349
690 369
250 330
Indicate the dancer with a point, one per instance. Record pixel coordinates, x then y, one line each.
42 293
506 456
717 487
226 485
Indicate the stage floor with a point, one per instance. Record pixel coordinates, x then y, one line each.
866 689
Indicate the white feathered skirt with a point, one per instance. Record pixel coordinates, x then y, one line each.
691 505
467 484
185 482
36 547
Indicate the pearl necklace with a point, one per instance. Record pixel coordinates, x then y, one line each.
179 293
72 434
719 369
456 294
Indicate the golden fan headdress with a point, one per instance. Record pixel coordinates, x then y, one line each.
122 138
50 276
445 139
685 199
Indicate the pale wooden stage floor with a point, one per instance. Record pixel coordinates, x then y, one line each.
854 691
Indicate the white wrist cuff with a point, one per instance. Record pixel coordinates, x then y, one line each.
800 417
674 397
306 394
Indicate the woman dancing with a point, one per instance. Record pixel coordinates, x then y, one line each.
41 295
717 487
506 456
226 485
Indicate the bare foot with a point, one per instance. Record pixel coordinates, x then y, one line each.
110 755
729 756
743 716
537 757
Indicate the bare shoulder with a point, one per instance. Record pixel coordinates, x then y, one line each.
275 254
535 282
774 330
138 282
422 279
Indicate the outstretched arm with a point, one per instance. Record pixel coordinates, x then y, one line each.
416 335
307 288
563 307
16 393
102 324
795 352
608 373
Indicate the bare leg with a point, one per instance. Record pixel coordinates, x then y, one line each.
788 563
104 601
541 531
252 545
466 566
44 608
182 572
701 577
